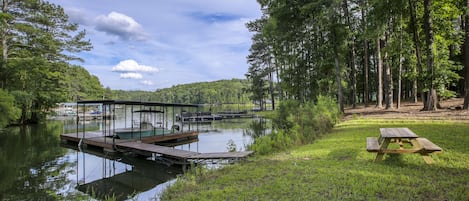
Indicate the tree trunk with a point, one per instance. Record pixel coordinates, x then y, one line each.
366 87
431 100
387 78
334 43
401 60
339 83
380 74
466 58
353 52
366 90
279 88
399 79
418 84
271 87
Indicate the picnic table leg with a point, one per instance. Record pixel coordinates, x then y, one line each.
384 146
427 158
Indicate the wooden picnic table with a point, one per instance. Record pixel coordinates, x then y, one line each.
408 142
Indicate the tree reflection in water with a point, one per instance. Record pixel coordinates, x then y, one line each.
33 165
258 127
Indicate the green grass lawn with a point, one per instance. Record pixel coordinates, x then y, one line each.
338 167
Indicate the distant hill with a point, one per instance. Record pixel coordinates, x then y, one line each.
216 92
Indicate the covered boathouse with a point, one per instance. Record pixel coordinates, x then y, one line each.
135 126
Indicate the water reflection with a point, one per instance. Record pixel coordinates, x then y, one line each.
217 136
257 127
120 177
33 165
30 163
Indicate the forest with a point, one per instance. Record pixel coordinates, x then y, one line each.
38 44
371 52
216 92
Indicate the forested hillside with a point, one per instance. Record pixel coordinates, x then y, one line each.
222 91
216 92
361 51
38 43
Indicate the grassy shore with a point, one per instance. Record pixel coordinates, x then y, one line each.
337 167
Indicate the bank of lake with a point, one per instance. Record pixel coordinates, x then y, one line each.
338 167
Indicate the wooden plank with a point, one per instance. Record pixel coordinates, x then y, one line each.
222 155
400 151
96 139
397 133
167 151
427 158
427 145
372 144
383 146
167 137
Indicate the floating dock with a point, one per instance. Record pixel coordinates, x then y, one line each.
135 139
146 148
234 114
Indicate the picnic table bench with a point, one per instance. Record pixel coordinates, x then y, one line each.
403 137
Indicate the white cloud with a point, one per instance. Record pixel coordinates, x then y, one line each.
147 83
131 76
132 66
78 16
120 25
195 41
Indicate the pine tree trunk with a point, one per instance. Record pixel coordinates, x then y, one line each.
339 83
418 84
466 58
277 76
401 60
353 52
366 87
399 79
431 100
380 74
387 79
366 58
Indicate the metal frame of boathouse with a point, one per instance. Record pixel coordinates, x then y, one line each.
143 146
109 107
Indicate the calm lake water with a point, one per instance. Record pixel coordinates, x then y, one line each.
35 166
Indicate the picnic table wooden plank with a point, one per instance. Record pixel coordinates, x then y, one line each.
372 144
397 133
427 145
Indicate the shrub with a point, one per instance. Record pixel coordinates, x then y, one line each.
298 124
8 109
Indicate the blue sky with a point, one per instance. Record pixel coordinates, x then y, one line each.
154 44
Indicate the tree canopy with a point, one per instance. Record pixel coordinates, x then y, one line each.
37 43
359 51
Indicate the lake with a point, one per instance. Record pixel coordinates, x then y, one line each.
34 165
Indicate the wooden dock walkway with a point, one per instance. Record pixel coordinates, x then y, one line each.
146 147
181 154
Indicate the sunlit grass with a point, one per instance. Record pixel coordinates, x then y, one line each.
338 167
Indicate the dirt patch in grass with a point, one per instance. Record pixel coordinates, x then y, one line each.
451 109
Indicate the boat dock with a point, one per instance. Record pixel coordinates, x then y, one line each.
109 143
146 148
150 125
233 115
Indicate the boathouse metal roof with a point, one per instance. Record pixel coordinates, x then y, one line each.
142 103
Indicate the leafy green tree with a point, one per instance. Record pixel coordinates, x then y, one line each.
37 41
261 67
313 48
8 109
